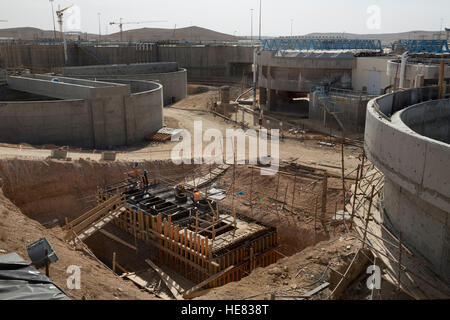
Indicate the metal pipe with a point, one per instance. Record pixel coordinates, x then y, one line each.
251 36
403 70
260 18
53 15
255 70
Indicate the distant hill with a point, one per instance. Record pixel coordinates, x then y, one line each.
182 34
198 34
28 33
144 34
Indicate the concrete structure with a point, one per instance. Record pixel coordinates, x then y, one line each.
295 72
417 67
172 78
59 154
108 156
369 75
215 62
348 106
285 77
408 138
82 113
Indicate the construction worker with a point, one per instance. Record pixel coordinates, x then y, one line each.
197 197
136 169
179 189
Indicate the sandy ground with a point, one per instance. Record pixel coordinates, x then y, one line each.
17 230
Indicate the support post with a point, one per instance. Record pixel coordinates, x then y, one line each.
114 262
368 217
324 201
441 79
354 197
399 262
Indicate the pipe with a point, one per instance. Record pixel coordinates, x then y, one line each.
403 70
441 82
255 70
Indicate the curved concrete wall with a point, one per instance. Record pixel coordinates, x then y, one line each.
430 119
172 78
415 68
96 120
416 168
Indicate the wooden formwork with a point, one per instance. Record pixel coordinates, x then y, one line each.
197 257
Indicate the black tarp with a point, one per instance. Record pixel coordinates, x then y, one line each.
20 281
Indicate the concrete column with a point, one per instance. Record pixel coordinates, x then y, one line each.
272 97
98 123
262 96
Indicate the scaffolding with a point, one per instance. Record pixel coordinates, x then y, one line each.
198 241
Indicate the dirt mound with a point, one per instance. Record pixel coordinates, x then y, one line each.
293 276
97 282
193 89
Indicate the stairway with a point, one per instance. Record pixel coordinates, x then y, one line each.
94 220
93 54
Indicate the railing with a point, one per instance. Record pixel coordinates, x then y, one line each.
423 46
321 44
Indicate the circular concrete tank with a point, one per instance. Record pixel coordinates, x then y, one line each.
168 74
76 112
408 138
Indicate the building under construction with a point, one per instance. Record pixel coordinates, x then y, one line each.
203 243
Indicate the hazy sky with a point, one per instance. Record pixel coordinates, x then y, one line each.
230 16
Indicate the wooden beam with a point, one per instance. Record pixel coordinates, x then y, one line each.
196 294
121 268
207 281
139 281
114 262
170 283
93 211
170 252
117 239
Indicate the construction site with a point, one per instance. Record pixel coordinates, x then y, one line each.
355 175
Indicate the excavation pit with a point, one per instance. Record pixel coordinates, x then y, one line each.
236 240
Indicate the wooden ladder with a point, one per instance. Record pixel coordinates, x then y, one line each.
94 220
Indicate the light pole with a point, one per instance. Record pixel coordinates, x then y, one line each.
53 15
260 18
99 28
251 37
292 27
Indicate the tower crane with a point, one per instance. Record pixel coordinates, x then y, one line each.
60 14
121 23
